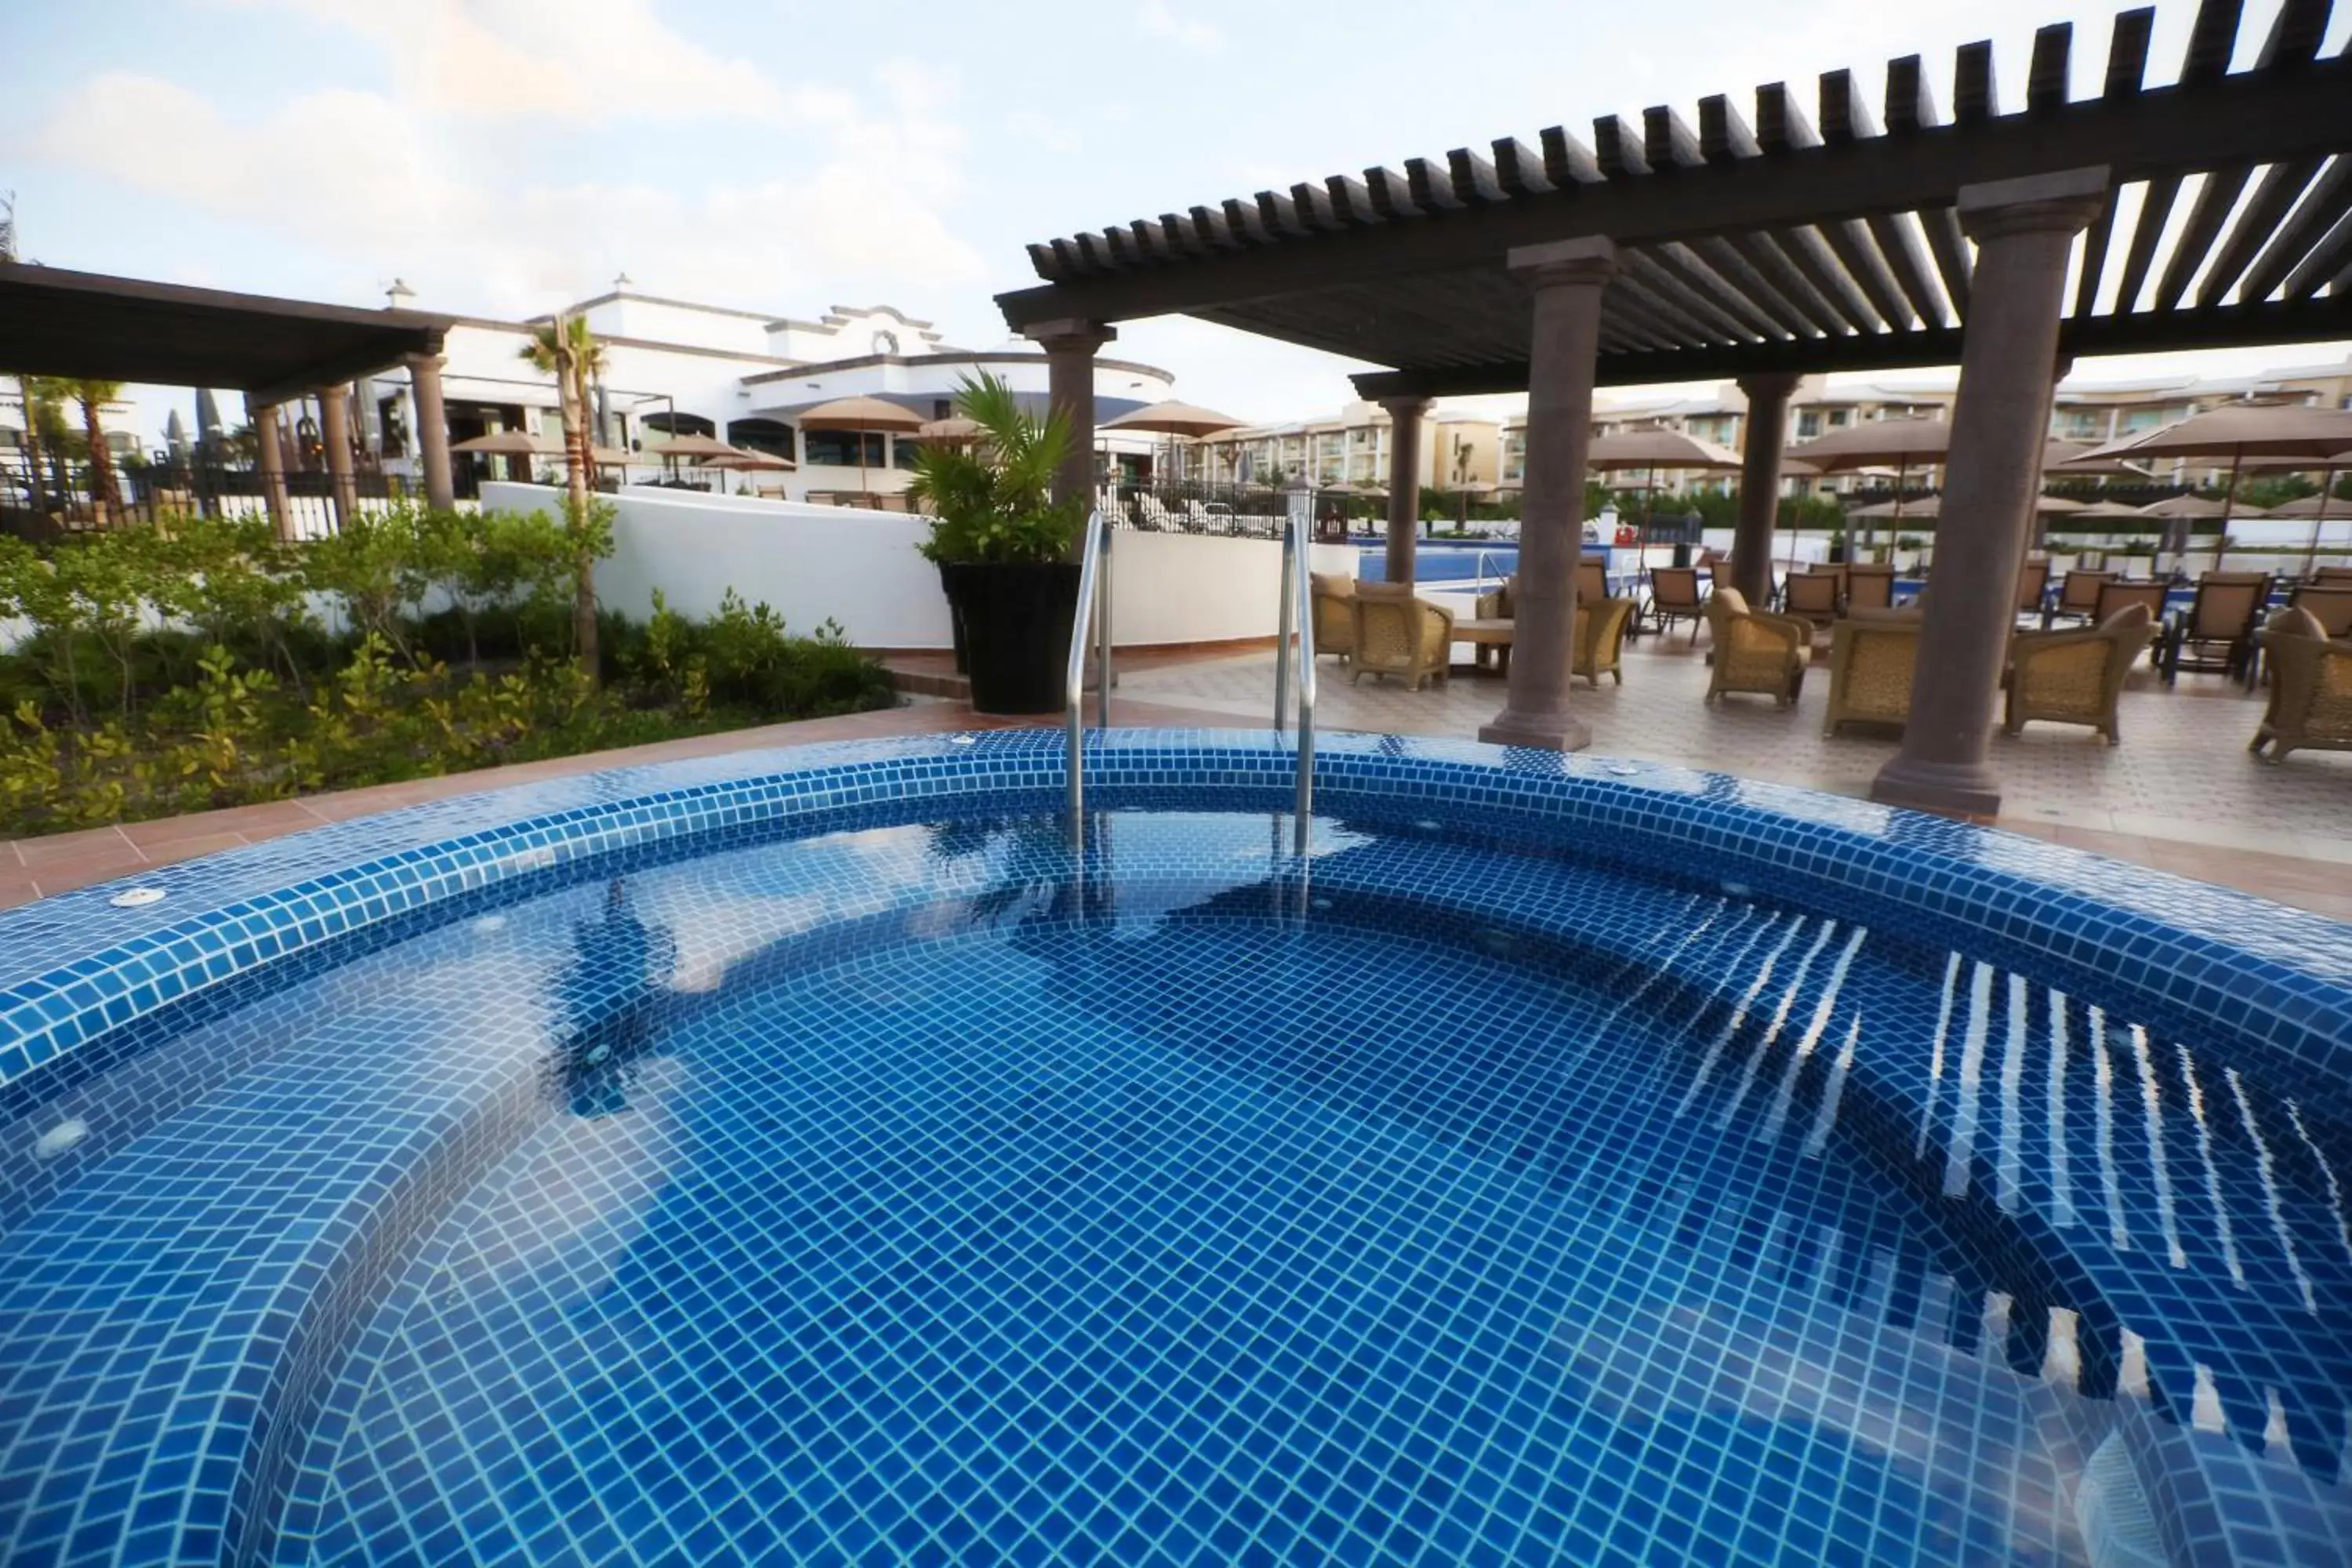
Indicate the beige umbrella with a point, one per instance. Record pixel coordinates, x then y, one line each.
1932 506
742 460
693 448
2196 506
2108 509
1875 443
1173 419
862 417
2239 431
2074 457
951 431
511 444
1655 447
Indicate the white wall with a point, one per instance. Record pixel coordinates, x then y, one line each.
861 568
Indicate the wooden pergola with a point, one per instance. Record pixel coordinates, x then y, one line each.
88 325
2212 211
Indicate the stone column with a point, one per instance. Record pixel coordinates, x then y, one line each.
432 422
2023 229
2034 532
1070 349
1404 483
1766 433
1568 279
268 462
335 434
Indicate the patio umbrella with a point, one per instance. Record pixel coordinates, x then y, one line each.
1932 506
742 460
2183 508
2239 431
693 448
1875 443
955 431
864 416
1654 448
511 444
2317 508
1173 419
2074 457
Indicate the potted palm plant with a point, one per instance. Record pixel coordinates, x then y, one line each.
1003 546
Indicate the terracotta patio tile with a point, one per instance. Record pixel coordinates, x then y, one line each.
190 847
58 848
82 867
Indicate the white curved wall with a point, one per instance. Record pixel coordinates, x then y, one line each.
861 568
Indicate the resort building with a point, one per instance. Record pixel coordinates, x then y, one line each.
1457 448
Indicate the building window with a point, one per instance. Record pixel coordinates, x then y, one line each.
1809 425
885 342
838 448
772 437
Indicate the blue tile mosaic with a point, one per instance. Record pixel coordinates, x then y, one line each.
798 1158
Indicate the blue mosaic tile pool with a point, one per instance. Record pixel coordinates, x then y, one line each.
799 1158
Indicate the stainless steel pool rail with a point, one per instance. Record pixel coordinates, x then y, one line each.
1093 613
1297 615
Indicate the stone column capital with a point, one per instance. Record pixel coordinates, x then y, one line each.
1590 262
1768 385
2063 202
1406 405
1070 336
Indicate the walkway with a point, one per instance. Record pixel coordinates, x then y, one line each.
2181 793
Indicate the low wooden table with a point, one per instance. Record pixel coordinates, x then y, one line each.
1491 636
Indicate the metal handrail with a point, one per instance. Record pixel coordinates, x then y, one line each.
1093 613
1302 597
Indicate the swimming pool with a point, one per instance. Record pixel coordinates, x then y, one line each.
797 1156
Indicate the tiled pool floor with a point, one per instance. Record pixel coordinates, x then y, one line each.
1193 1240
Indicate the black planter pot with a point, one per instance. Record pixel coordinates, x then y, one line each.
1016 630
955 621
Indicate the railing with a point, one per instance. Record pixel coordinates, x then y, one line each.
1298 610
1093 612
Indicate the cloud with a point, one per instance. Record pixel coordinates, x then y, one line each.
578 60
1158 20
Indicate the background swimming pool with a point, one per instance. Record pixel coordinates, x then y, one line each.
872 1187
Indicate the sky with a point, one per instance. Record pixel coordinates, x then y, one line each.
507 156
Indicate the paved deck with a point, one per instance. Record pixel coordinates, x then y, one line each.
2181 793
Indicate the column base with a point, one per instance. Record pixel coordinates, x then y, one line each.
1540 731
1951 789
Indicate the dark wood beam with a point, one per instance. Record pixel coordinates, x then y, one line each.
2155 207
2152 134
2206 215
2126 70
2282 182
2298 321
1762 252
1911 108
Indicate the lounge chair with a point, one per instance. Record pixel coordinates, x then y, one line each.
1600 638
2223 616
1592 581
1756 650
1154 517
2078 595
1869 587
1333 594
1396 634
1673 596
2333 576
2073 676
2311 688
1871 660
2331 606
2032 587
1810 598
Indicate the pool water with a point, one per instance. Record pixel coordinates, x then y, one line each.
887 1195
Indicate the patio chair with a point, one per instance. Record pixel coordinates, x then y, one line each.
1333 594
1871 660
1600 638
2032 586
1756 650
2078 595
2311 688
2073 676
2223 616
2330 606
2118 592
1592 581
1502 604
1673 596
1396 634
2333 576
1869 587
1153 517
1810 598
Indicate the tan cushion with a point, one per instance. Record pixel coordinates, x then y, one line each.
2131 617
1733 601
1391 591
2296 622
1336 585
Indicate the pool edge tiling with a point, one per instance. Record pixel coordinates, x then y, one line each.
2253 985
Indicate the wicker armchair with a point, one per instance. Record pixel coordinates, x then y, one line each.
1601 638
2073 676
1871 660
1396 634
1334 596
2311 689
1756 650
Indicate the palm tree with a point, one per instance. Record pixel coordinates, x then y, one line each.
32 391
567 350
93 395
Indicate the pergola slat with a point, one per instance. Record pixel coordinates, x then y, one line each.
2045 78
1851 243
1123 249
2295 35
2322 263
1671 304
2126 70
1278 215
1845 120
2155 207
1976 97
1667 141
1780 125
1618 148
1098 254
2211 37
1701 281
2206 216
1432 188
1392 192
1740 274
1476 182
1567 162
1045 264
1352 200
1152 239
1910 109
2326 204
1822 269
1764 253
1183 237
1213 230
1313 205
1066 258
2282 182
1520 168
1724 137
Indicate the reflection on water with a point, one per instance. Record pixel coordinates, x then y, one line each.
606 1002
